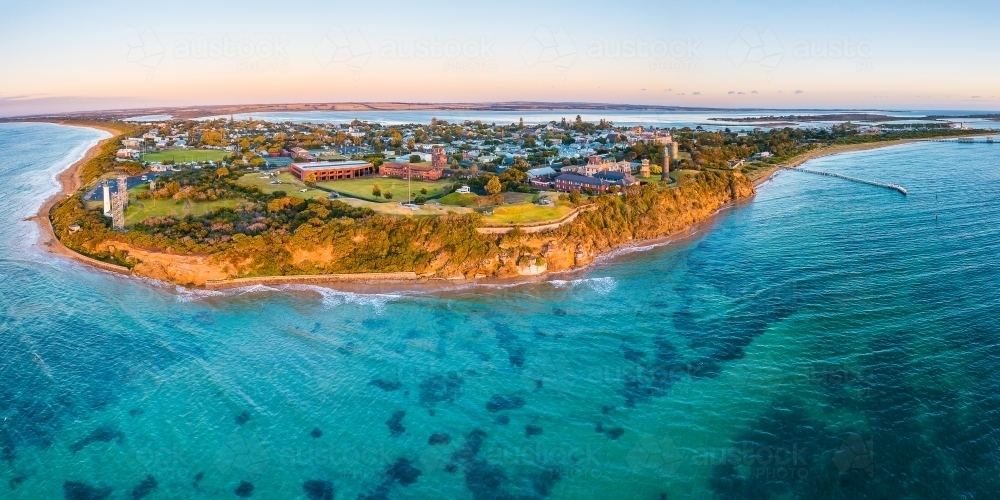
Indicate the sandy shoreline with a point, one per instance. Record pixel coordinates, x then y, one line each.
70 183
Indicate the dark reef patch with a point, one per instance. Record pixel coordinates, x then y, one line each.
500 402
400 472
473 443
439 438
440 388
316 433
631 354
242 418
511 343
244 490
403 472
79 491
532 430
102 434
395 423
490 482
502 420
386 385
787 454
319 490
16 481
144 488
652 378
135 412
612 433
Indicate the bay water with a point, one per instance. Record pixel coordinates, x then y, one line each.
825 340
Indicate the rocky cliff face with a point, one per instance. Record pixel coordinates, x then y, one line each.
641 214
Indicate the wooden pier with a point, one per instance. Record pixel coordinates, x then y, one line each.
894 187
962 140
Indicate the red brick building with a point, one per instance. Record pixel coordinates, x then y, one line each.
332 171
406 170
438 157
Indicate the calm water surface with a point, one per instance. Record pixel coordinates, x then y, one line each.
827 340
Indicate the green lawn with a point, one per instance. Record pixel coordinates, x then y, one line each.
362 188
182 156
528 213
138 210
458 200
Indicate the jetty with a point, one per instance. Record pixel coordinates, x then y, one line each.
894 187
962 140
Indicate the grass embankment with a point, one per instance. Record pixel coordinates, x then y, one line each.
184 156
458 199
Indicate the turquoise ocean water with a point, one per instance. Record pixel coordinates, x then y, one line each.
826 340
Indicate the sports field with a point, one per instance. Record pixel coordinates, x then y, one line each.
184 156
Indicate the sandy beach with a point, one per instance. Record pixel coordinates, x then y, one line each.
70 182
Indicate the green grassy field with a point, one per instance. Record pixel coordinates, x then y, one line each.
180 156
362 188
528 213
138 210
458 200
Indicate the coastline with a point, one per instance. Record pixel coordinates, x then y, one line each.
70 182
824 151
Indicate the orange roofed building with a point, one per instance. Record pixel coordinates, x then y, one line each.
406 170
332 171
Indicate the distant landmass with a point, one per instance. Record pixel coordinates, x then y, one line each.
191 112
838 117
845 117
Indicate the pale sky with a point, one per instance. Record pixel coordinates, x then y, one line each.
99 54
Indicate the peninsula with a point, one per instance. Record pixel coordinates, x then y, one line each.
224 202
